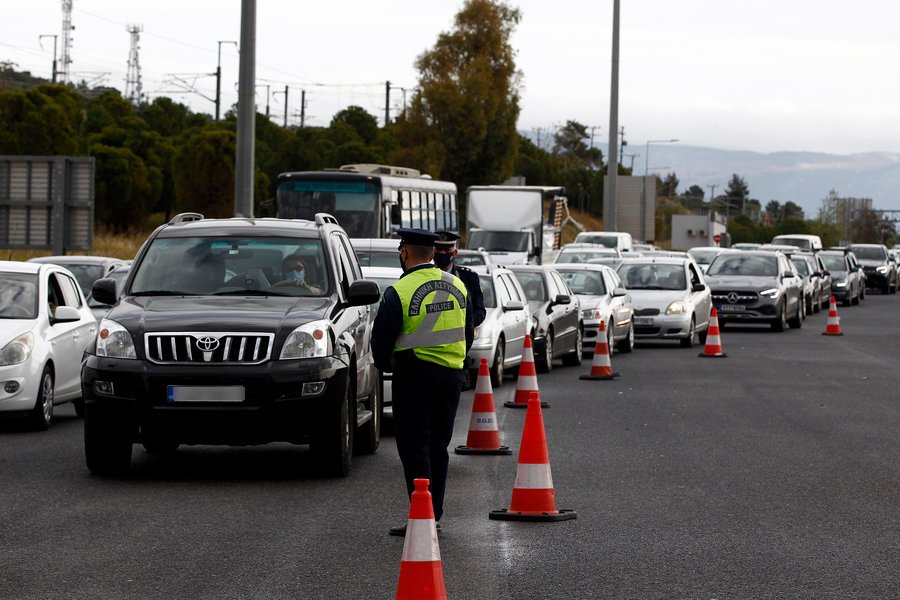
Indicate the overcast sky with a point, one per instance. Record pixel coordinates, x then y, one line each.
762 75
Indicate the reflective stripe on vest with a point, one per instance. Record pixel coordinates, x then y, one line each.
424 336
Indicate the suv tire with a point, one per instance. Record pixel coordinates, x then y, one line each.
780 322
797 321
107 441
331 445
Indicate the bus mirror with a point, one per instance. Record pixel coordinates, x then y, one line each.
395 214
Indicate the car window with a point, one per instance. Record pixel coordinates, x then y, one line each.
653 276
348 254
870 252
533 284
54 295
694 275
509 281
469 260
743 264
801 266
589 283
86 275
18 296
487 289
502 293
69 290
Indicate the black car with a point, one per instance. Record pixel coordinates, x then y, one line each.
557 330
235 332
847 284
878 265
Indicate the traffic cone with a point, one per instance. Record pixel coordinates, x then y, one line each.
421 574
484 435
526 384
533 496
713 347
833 327
601 367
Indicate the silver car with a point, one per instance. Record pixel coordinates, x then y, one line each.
582 253
670 298
384 276
501 336
603 300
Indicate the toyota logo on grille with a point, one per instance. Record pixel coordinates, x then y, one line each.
207 343
732 297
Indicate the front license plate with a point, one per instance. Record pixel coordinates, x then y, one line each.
643 321
205 393
732 308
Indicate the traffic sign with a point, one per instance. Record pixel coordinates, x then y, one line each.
717 238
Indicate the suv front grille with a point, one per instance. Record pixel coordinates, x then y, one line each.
208 347
734 297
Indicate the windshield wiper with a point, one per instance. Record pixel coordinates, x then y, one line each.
161 293
250 293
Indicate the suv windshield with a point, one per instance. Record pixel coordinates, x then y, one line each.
352 203
499 241
206 266
752 266
18 296
869 252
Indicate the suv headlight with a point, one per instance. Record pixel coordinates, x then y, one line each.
18 350
770 293
676 308
308 341
114 341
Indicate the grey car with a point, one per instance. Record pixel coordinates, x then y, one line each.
86 269
846 284
756 286
879 266
603 300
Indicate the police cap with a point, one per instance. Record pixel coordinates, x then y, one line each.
447 239
417 237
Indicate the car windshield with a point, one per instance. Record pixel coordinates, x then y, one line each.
203 266
85 275
352 203
834 262
869 252
469 260
18 296
583 256
610 241
801 266
746 265
703 257
487 288
368 257
588 283
533 284
653 276
499 241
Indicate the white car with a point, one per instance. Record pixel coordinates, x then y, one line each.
384 276
603 299
671 299
703 255
45 327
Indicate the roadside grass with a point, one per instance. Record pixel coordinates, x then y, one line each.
106 243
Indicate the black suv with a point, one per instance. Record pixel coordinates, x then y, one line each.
878 265
235 331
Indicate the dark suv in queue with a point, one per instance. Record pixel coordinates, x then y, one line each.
235 332
878 265
847 283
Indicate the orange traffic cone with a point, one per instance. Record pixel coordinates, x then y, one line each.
526 384
833 327
484 435
601 367
713 347
421 574
533 496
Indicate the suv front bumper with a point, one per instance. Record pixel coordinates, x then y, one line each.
277 406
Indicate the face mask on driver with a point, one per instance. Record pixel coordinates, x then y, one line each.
443 259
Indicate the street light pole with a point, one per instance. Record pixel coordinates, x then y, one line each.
41 37
219 77
644 184
610 220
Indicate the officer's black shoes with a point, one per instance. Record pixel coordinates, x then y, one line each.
400 531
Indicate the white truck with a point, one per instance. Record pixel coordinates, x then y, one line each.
508 221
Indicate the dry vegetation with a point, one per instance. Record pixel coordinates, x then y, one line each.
116 245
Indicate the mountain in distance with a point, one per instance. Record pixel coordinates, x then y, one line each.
805 178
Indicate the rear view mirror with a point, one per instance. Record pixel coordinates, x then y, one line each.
562 299
698 287
363 292
65 314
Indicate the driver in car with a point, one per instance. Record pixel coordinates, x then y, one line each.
294 272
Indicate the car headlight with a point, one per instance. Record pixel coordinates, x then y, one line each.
676 308
591 313
485 331
841 283
770 293
882 269
308 341
114 341
18 350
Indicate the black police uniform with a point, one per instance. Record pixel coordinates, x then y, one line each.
467 276
425 395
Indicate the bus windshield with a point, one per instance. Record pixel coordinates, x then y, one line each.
353 203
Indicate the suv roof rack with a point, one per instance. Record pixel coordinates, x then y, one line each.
325 218
186 217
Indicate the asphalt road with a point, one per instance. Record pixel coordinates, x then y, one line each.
772 473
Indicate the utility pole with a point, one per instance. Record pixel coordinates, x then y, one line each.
67 29
622 146
41 37
133 88
302 108
610 222
591 149
219 78
244 166
387 103
285 92
631 165
712 191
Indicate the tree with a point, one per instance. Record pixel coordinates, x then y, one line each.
461 124
569 144
365 125
122 187
204 173
668 187
792 211
736 193
43 120
774 212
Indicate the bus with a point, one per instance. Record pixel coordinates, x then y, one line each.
369 201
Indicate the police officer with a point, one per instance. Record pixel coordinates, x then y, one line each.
445 252
422 332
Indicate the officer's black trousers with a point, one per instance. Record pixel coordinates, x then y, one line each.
425 398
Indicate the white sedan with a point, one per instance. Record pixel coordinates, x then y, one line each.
45 326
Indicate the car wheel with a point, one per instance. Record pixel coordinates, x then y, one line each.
627 345
107 441
886 288
780 322
797 321
862 292
370 433
332 443
688 342
573 358
856 299
41 415
78 403
545 360
808 307
610 339
497 369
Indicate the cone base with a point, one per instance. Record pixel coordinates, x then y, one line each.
503 514
502 450
609 377
512 404
826 333
720 355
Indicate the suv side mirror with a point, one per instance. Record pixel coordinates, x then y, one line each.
514 305
65 314
363 292
104 291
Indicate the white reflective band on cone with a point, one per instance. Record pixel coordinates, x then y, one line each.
483 386
533 477
483 421
713 340
421 543
527 382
